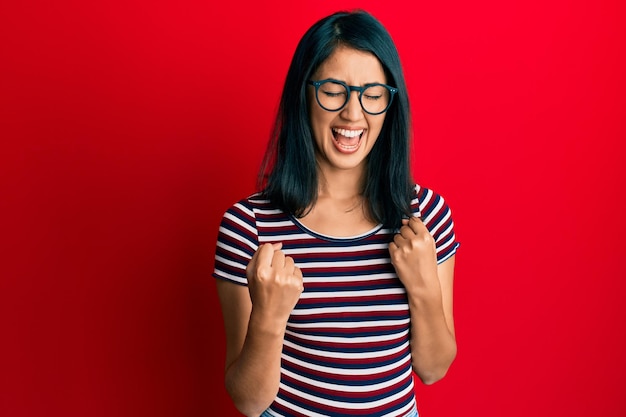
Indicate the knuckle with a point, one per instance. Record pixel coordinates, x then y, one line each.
263 273
424 239
397 255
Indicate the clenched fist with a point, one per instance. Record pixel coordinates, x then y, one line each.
414 256
274 281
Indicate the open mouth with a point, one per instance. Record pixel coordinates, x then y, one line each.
347 140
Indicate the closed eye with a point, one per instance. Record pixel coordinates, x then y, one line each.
334 94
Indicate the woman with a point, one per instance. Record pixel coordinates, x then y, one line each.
335 280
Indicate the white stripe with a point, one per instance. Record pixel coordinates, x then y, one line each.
444 234
441 222
277 237
344 264
348 341
434 212
284 223
404 411
444 246
239 238
353 278
240 223
442 260
293 407
364 293
230 263
350 388
231 277
335 250
245 209
338 355
424 202
350 278
267 211
328 325
232 249
352 309
256 198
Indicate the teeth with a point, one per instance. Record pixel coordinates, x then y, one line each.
348 148
348 133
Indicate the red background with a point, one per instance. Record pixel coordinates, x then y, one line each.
129 127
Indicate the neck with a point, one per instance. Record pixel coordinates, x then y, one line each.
340 184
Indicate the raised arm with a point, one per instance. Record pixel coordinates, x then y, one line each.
255 319
429 291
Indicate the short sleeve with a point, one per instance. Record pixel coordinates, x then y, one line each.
437 217
237 240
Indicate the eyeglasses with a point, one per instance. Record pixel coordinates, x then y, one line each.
333 95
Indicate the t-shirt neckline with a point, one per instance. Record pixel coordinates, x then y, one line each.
319 235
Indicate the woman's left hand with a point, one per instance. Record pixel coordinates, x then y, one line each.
414 257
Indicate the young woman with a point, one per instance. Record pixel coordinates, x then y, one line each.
335 279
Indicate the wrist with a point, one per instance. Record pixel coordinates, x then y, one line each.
266 324
425 299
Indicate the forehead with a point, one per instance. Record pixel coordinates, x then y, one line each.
352 66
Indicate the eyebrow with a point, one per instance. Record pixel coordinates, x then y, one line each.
347 83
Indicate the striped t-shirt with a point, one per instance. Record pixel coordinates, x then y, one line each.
346 348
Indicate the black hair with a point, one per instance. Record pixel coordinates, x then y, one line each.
288 176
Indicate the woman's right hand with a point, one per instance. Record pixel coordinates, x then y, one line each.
274 281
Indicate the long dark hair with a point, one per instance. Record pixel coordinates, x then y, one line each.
288 176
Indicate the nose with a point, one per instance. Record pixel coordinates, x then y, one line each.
352 110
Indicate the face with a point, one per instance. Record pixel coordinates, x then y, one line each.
344 138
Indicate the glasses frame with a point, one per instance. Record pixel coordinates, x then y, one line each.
350 89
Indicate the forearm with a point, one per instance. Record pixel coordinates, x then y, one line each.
252 380
433 344
429 290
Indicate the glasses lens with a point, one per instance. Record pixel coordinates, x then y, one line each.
331 95
375 99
